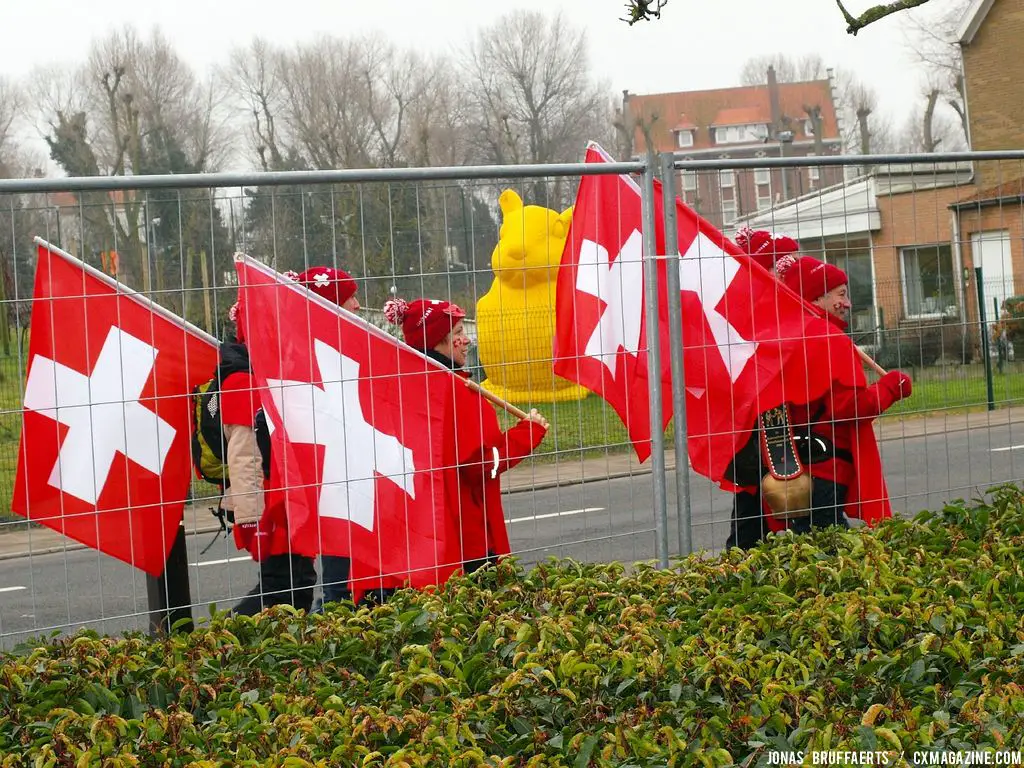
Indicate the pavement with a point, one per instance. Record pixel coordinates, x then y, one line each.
20 539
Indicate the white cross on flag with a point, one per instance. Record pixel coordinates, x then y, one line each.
747 339
105 449
360 425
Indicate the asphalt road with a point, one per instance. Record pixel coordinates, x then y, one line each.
596 521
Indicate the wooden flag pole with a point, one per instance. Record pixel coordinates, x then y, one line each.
493 398
869 361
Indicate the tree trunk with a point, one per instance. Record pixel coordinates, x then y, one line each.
186 291
207 309
5 320
930 142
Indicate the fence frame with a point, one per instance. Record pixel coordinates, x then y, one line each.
168 595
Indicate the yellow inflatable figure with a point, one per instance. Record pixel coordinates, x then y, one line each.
516 317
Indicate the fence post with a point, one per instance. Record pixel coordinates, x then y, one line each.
654 359
169 594
675 346
985 351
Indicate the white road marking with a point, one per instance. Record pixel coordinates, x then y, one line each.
225 561
532 518
12 589
1008 448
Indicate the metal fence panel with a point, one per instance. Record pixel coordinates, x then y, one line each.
933 246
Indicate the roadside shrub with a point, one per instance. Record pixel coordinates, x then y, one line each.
921 346
909 636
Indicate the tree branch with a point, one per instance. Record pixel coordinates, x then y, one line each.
855 24
640 10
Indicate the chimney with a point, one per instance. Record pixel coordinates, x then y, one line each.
773 99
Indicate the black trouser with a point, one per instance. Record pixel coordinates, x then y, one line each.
284 579
750 525
380 595
336 578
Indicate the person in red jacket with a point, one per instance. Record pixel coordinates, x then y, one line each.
481 451
254 497
833 436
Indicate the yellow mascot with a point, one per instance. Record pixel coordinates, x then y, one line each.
516 317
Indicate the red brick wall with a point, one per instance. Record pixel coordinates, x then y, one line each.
909 219
994 70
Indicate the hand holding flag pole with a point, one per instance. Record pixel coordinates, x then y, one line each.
870 362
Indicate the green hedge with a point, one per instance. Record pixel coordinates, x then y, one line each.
911 637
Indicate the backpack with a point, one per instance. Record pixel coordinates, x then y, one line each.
209 448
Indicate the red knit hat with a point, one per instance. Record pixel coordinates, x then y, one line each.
765 248
334 285
425 322
811 278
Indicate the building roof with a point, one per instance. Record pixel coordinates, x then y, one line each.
852 208
1005 192
739 116
972 20
665 112
844 209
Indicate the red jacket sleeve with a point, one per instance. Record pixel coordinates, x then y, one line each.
239 399
853 403
514 445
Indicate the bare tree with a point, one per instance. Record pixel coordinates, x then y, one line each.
10 108
134 107
931 41
862 129
788 69
532 95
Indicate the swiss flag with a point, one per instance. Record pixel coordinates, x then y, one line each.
360 428
600 328
750 344
105 449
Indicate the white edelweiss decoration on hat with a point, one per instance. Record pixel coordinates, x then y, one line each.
321 279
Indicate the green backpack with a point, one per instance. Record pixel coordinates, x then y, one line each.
209 448
208 445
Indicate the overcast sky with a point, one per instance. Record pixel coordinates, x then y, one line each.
697 44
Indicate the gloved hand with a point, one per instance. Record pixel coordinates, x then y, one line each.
252 538
898 384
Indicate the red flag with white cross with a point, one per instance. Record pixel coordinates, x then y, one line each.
105 453
600 327
750 344
360 423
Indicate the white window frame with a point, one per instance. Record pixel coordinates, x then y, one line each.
766 179
727 181
907 314
731 204
684 139
689 180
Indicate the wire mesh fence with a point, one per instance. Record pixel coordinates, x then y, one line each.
933 249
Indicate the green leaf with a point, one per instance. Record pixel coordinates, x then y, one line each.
586 750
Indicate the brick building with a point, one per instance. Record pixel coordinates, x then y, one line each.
911 236
771 120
